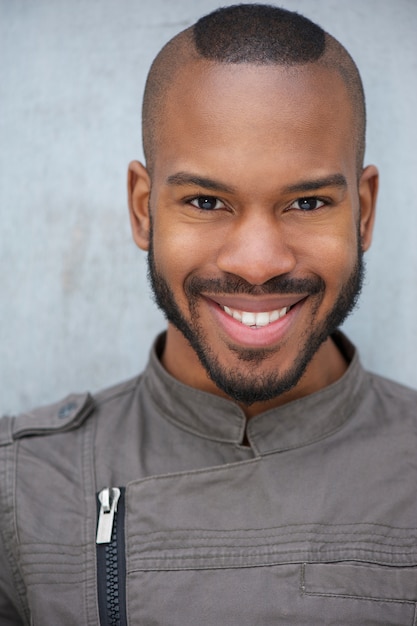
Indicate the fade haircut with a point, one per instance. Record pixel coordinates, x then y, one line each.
256 34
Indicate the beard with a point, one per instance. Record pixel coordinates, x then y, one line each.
248 385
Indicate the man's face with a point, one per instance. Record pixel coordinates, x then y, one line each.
255 250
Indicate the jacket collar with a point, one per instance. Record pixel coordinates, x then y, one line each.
290 426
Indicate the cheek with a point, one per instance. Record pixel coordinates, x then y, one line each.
331 254
182 249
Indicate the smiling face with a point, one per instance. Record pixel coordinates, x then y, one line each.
258 223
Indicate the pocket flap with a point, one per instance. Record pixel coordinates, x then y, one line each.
360 581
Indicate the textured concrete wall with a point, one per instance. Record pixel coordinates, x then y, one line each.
75 311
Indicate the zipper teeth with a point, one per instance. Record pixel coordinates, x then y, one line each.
110 550
112 579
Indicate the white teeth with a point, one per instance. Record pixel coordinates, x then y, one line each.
262 319
249 319
284 311
274 316
237 315
256 320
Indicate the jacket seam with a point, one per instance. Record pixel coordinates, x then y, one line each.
342 596
10 538
118 394
89 489
303 530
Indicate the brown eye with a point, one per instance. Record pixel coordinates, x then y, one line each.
207 203
309 204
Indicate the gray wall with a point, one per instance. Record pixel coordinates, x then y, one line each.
75 311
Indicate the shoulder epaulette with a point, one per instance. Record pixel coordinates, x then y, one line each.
61 416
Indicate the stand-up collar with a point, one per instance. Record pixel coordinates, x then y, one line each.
292 425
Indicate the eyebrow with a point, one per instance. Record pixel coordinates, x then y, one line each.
185 178
334 180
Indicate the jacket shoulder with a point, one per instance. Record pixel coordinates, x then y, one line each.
394 390
394 398
60 416
65 415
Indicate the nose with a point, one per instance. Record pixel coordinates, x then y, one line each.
257 248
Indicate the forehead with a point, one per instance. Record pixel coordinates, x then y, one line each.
250 113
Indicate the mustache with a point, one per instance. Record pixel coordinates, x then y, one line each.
230 284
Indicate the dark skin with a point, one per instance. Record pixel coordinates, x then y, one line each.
256 140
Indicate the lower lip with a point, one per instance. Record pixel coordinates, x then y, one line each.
263 337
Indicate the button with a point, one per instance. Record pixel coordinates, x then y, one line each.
67 409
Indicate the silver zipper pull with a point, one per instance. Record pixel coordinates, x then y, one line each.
109 497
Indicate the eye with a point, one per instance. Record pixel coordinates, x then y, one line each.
307 204
207 203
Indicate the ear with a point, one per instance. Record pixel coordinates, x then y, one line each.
138 189
368 191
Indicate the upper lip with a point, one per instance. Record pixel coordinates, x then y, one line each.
256 304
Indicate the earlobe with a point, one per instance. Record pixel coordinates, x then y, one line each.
368 191
138 189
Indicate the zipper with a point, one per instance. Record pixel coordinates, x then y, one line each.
111 562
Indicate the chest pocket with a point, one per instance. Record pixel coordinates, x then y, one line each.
359 593
306 595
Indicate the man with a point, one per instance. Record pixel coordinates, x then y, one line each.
254 473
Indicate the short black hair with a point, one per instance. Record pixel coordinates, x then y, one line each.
255 34
258 33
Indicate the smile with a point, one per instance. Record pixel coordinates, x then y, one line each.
256 320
